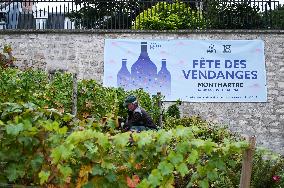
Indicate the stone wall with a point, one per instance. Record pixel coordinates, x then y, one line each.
82 52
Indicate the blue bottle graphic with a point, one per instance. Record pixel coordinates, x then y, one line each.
164 79
123 76
144 72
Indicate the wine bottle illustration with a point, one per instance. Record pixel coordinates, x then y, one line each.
144 71
123 76
164 79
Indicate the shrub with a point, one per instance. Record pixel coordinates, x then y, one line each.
48 147
268 170
173 111
277 17
232 16
94 100
169 16
43 147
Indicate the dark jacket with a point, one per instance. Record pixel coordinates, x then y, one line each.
139 117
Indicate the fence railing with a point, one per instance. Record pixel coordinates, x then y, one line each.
141 14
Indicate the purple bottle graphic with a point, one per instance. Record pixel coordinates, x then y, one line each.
164 79
144 72
123 76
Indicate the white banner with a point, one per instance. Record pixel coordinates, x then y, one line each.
189 70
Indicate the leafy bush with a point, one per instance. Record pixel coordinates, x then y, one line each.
34 86
232 16
22 86
173 111
25 132
277 17
94 100
169 16
268 170
208 131
44 147
49 147
105 14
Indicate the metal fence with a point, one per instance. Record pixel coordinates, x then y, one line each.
141 14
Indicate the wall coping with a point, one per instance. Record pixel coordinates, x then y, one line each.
110 31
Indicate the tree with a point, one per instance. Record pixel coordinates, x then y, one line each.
110 14
232 16
277 17
104 14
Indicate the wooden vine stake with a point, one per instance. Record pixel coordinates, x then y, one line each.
160 110
247 164
74 95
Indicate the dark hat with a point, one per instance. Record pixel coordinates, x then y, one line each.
129 99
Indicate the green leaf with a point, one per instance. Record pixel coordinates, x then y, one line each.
143 184
14 129
61 152
204 183
67 151
111 177
232 163
62 130
37 162
111 123
168 182
121 140
30 106
182 147
97 170
175 158
67 117
155 178
27 124
108 165
102 140
212 175
183 132
166 168
197 143
15 171
56 155
143 138
201 170
43 176
27 141
11 108
55 125
209 146
92 148
182 169
220 165
64 170
164 137
195 129
50 125
193 156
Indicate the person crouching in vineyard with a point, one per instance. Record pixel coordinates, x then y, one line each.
138 119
